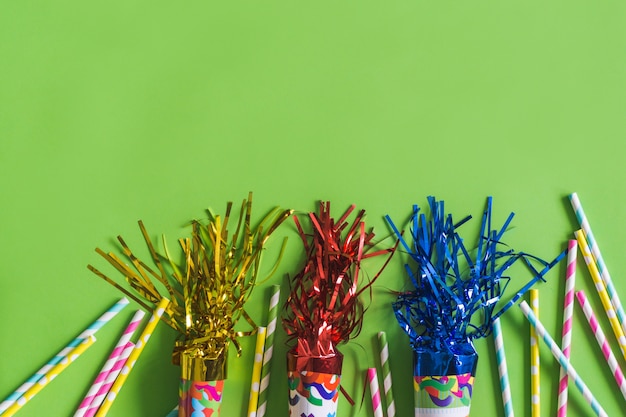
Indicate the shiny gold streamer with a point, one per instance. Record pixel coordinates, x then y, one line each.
209 289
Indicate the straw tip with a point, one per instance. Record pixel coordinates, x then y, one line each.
139 314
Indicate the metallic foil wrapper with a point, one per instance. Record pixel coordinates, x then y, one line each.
324 308
459 359
208 285
327 365
457 289
195 367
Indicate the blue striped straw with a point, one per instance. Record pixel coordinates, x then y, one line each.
502 369
563 361
595 251
89 331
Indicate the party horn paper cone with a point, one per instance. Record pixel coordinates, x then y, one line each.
200 398
201 386
447 395
313 393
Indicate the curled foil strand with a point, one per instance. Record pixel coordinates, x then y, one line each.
457 291
324 308
209 289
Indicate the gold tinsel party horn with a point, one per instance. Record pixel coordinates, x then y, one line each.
207 290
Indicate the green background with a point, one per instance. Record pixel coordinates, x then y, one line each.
116 111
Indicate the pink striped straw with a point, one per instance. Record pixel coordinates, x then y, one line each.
111 361
568 309
110 379
602 342
373 379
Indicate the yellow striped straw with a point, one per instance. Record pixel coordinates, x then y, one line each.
50 375
535 389
601 289
132 358
256 371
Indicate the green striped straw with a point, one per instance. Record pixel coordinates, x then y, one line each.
272 317
384 363
502 369
562 359
595 251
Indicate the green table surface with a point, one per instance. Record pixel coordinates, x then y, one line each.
116 111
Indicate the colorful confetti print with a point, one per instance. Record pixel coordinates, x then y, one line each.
313 394
200 398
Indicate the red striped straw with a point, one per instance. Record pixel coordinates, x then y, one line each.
602 342
108 365
568 309
373 380
110 379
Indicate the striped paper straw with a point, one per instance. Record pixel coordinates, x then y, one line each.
50 375
602 342
502 369
604 297
98 399
111 361
563 361
374 391
386 368
269 349
134 355
89 331
535 388
602 269
568 309
256 371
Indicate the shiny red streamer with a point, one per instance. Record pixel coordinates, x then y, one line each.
324 308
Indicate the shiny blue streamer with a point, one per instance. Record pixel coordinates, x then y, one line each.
456 291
